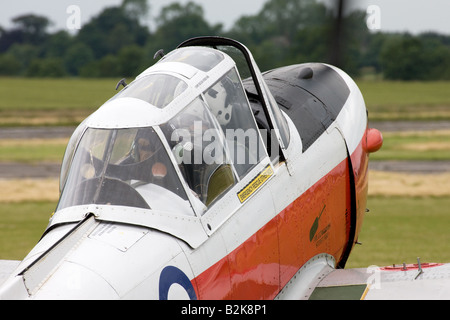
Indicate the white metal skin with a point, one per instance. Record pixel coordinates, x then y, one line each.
430 283
138 246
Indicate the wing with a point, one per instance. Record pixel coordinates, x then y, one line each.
6 269
319 280
401 282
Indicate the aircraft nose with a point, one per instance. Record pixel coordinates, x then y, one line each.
67 282
53 276
102 260
70 282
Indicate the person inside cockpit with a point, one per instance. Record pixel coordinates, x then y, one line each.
147 148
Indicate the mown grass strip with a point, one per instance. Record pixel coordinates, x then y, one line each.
31 101
400 229
51 102
409 185
54 94
26 190
406 100
21 226
412 146
32 150
384 95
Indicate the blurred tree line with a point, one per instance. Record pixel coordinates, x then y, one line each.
117 43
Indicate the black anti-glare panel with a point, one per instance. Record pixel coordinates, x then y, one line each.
312 95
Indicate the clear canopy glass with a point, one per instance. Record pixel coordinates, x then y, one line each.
125 167
198 145
157 89
227 101
203 59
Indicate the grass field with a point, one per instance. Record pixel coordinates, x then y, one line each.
22 225
67 101
54 94
420 145
400 229
399 100
32 150
30 101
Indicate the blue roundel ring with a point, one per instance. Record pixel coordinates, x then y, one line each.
169 276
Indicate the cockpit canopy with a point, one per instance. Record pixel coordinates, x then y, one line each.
157 89
204 59
192 138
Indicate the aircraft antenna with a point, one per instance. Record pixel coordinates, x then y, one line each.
121 82
159 53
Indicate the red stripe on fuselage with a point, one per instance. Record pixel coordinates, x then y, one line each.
316 222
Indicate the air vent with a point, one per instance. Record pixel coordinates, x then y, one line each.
305 73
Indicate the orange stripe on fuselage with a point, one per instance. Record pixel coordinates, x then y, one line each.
316 222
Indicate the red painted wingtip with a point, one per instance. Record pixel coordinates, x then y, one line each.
374 140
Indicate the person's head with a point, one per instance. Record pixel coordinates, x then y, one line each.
146 144
145 148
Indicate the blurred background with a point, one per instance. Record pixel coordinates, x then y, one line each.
401 40
59 61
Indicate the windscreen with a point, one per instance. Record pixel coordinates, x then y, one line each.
125 167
